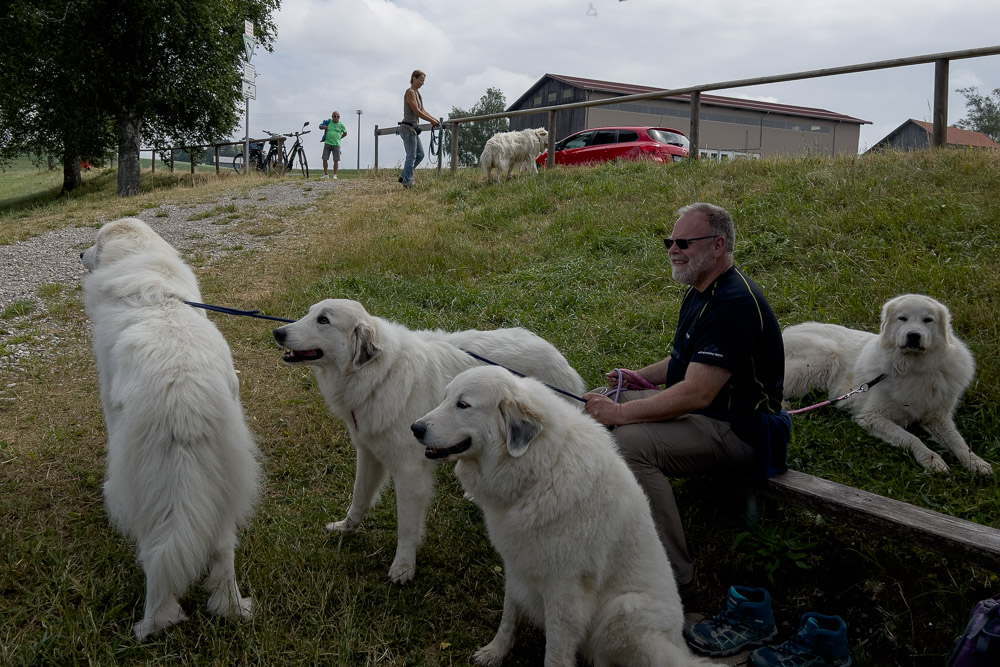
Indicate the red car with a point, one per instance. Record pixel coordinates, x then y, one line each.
603 144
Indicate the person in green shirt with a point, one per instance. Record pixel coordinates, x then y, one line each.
334 131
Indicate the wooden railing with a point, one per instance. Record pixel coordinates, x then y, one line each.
191 149
941 64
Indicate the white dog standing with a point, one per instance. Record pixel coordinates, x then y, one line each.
506 150
580 551
378 377
926 368
182 469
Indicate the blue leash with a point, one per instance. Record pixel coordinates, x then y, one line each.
257 314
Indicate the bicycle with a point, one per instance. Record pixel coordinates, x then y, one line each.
299 151
256 158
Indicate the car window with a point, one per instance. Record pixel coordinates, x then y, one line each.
602 137
624 136
578 140
669 138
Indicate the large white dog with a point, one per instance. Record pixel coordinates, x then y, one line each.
506 150
182 469
580 551
926 369
379 376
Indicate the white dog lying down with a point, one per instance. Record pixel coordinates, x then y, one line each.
565 513
926 371
507 150
182 468
378 377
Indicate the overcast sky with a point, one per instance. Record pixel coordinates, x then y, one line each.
358 54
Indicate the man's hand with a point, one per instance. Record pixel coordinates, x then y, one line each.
603 409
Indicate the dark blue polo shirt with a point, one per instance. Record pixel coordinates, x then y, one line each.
731 325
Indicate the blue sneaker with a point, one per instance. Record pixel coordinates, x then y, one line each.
820 642
746 622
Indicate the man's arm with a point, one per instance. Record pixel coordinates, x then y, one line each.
701 384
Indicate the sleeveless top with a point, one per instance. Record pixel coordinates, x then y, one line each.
408 115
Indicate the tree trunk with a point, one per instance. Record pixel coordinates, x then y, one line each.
128 153
71 172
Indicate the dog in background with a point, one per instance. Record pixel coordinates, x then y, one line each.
506 150
580 551
182 469
378 377
926 368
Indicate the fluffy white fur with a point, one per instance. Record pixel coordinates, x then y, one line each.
580 551
182 469
927 369
378 377
507 150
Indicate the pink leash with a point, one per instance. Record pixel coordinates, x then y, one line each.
860 390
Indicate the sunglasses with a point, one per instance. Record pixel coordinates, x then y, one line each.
684 243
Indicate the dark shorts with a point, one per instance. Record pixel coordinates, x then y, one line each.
328 149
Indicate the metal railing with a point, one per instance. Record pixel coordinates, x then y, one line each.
941 65
191 149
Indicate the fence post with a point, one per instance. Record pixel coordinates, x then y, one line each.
940 139
191 157
454 146
376 150
216 158
694 132
171 159
550 161
441 144
152 165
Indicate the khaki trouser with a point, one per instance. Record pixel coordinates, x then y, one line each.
683 447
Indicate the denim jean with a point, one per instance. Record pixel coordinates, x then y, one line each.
414 154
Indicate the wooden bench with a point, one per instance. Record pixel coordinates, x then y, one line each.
957 538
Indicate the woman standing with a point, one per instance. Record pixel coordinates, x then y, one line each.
413 111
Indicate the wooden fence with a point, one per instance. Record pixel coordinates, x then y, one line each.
191 150
941 65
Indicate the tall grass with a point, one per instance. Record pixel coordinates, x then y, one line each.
573 254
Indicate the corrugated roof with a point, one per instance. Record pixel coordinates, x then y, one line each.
715 100
959 137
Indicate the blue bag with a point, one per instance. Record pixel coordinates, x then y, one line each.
979 645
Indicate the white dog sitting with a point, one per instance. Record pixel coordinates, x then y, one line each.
926 369
507 150
580 551
378 376
182 472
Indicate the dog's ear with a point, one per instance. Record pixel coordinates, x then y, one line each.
364 347
521 425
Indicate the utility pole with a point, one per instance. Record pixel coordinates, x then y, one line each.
359 139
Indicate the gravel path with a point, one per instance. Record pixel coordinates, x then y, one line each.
54 257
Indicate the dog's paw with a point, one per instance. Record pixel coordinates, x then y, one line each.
220 604
345 526
402 572
979 466
150 626
489 655
931 461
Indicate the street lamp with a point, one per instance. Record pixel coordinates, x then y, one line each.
359 139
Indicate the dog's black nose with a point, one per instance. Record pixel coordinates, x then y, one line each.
419 430
912 339
81 255
279 334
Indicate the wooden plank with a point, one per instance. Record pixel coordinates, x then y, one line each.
947 535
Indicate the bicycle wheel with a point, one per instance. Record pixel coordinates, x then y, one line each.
238 163
303 164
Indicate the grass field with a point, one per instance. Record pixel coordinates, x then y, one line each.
575 255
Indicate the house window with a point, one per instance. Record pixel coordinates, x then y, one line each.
552 97
568 93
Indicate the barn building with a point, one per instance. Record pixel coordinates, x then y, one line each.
916 135
730 127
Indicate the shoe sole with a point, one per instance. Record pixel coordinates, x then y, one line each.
749 646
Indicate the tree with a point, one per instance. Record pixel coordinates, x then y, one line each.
473 136
984 112
163 71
